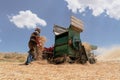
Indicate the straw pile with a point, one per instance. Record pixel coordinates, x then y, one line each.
40 47
87 46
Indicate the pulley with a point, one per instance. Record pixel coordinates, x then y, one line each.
75 43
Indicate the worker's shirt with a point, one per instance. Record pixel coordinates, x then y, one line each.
34 35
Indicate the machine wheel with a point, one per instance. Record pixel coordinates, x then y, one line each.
83 61
72 60
92 61
59 60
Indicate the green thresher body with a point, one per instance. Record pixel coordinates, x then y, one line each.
68 44
62 46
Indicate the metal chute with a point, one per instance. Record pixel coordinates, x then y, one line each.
59 30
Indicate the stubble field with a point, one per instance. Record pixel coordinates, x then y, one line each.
41 70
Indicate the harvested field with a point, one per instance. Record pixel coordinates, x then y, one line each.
41 70
12 68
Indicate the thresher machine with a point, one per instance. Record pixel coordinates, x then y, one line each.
68 46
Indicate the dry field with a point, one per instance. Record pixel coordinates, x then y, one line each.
41 70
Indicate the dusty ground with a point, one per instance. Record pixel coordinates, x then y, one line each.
43 71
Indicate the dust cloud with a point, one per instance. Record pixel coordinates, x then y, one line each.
109 54
105 54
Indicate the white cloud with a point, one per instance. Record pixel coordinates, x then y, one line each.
110 7
27 19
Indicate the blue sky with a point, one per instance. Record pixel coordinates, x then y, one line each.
19 18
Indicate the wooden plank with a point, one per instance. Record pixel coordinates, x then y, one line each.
76 19
77 23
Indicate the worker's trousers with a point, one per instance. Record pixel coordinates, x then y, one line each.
29 59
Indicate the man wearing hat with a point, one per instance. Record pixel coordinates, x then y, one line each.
33 43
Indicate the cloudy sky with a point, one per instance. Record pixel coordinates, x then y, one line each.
19 18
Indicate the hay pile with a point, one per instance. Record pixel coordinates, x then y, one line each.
42 40
87 46
40 47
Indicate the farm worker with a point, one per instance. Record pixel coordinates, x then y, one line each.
33 43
